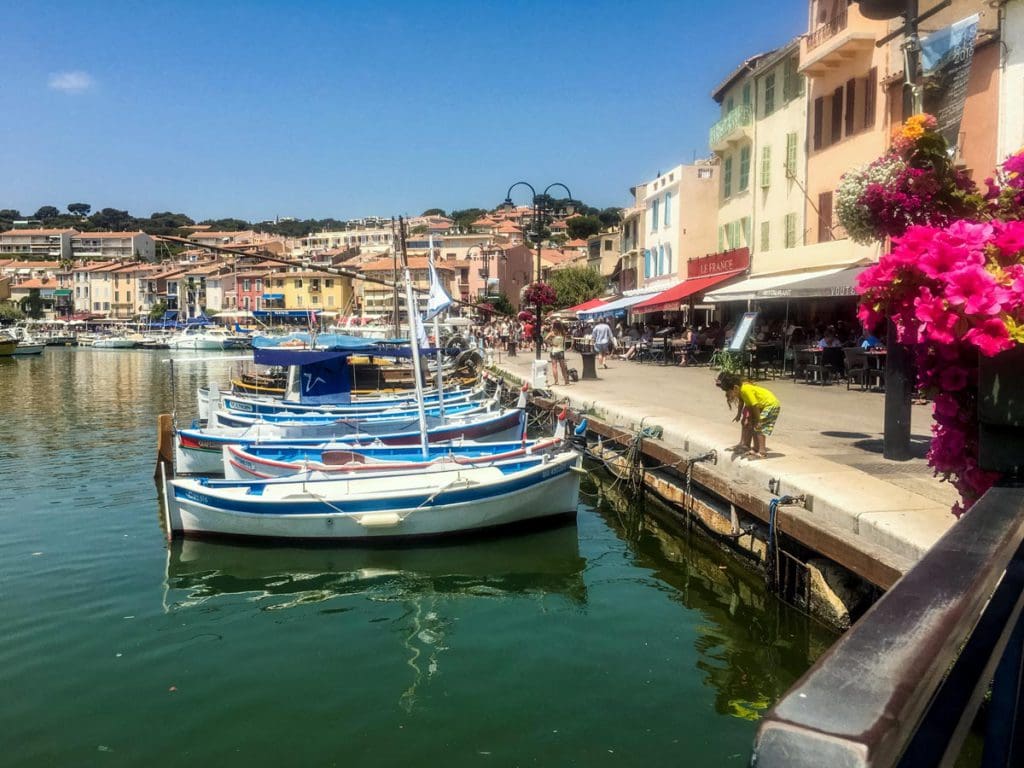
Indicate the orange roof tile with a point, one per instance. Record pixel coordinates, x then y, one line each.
37 231
415 262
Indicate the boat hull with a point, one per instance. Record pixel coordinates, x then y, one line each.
548 490
29 349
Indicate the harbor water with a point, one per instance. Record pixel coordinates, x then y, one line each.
611 641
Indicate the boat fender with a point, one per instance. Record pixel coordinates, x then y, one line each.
379 520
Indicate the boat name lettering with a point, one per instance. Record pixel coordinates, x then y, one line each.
199 498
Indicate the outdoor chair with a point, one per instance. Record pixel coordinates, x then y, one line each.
856 367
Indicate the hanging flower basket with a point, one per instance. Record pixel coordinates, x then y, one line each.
540 294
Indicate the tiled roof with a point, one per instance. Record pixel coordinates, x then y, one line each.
415 262
105 235
38 231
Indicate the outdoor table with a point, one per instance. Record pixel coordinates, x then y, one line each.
816 365
876 364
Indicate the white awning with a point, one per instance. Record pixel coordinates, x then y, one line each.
748 289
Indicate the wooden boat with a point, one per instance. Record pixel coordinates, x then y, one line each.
199 451
7 347
258 462
408 505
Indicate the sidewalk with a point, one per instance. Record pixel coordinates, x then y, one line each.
827 444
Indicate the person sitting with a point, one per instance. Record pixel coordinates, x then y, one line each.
829 339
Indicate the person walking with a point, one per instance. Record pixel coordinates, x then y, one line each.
602 335
757 411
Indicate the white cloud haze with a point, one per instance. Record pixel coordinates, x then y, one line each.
71 82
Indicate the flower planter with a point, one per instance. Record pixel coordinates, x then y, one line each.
1001 412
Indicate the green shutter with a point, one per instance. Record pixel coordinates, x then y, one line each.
744 168
790 230
745 230
766 240
791 155
769 94
721 239
766 167
746 95
727 177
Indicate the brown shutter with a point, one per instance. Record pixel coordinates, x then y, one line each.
869 97
824 217
837 115
819 120
851 99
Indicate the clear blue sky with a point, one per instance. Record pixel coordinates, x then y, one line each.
345 109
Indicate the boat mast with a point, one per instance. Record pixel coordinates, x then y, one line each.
395 242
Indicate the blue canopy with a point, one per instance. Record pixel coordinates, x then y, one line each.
617 308
292 356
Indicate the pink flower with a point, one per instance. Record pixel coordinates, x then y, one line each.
1009 237
974 288
946 408
990 337
952 379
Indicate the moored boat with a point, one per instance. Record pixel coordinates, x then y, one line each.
408 505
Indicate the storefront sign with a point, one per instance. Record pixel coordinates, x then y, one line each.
717 263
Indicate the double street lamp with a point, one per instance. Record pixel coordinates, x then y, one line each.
542 205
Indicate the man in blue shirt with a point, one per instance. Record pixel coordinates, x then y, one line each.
602 341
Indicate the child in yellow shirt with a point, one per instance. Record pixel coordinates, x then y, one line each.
762 409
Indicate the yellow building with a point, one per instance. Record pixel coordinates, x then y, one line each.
310 290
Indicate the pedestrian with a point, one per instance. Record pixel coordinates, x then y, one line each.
602 335
558 341
757 411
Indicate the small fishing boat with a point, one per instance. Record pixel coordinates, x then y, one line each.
116 341
260 462
7 347
30 347
199 451
407 505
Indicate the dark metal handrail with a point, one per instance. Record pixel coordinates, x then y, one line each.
829 29
902 687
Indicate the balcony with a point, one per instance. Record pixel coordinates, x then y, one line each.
838 40
731 129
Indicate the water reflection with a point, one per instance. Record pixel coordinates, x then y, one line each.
539 564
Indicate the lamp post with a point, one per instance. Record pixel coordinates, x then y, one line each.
541 205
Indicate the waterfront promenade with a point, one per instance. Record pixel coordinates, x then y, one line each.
827 444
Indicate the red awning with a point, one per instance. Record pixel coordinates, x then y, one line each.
586 305
668 301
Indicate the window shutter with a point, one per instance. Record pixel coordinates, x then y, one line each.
765 236
869 97
766 167
837 115
744 168
727 177
791 155
824 217
819 120
851 99
790 230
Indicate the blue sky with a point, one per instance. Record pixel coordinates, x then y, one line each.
345 109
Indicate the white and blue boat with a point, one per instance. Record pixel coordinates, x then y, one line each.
261 462
410 505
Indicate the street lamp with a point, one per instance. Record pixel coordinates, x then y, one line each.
542 204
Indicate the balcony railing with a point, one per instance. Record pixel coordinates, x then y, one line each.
829 29
740 117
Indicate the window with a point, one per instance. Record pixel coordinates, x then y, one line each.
824 217
790 223
668 259
279 283
790 155
837 116
127 297
793 81
766 239
668 209
661 259
745 231
299 300
769 94
607 245
851 100
245 285
329 282
330 300
870 92
259 284
315 299
117 297
766 167
819 122
746 95
704 173
647 262
721 239
744 168
654 216
298 282
245 302
729 105
727 177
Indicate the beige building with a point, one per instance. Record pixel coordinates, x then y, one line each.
367 239
108 246
633 240
378 300
37 243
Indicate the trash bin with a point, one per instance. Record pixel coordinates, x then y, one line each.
539 377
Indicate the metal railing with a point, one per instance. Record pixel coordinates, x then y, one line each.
829 29
738 118
903 686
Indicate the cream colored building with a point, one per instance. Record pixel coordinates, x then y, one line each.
37 243
779 159
1011 103
105 246
680 209
634 239
367 239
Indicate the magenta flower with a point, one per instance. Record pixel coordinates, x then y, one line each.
1009 237
953 379
975 289
990 337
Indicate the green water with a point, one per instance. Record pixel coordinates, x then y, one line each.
608 642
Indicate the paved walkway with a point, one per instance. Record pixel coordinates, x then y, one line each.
828 443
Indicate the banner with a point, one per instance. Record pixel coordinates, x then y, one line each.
946 58
437 300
